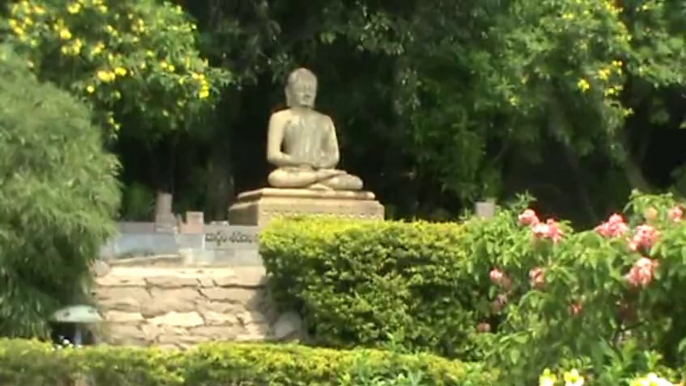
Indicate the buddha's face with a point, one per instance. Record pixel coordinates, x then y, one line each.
301 93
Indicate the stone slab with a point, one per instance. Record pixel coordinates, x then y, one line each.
259 207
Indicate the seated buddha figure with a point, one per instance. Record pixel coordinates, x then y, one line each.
302 142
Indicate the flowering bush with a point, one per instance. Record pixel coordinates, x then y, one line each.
133 59
605 297
573 378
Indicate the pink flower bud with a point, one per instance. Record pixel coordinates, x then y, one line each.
496 275
537 278
642 272
499 303
644 238
483 327
613 227
549 230
499 278
676 214
528 217
576 309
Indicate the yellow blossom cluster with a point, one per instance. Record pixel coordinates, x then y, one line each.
573 378
604 74
121 56
570 378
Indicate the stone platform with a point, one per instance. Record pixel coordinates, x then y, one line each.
259 207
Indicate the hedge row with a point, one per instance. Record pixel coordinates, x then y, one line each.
29 363
370 282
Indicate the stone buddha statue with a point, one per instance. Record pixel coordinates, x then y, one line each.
302 142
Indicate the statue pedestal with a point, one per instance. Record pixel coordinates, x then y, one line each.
258 207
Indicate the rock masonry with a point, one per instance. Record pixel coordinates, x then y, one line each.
182 306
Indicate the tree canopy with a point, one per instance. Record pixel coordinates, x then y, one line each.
451 101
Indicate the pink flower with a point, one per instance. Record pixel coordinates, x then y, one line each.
537 277
549 230
528 217
576 308
499 278
496 275
483 327
613 227
676 214
499 303
642 272
644 237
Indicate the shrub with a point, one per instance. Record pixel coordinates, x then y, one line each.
35 364
363 283
58 194
601 301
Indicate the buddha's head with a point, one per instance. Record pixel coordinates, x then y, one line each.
301 88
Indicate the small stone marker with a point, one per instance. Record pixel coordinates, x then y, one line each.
195 223
485 209
164 218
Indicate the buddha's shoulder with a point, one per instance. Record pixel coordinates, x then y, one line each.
288 114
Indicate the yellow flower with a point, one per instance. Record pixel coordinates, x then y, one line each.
18 31
143 66
547 378
74 8
163 65
583 85
573 378
102 9
65 34
604 74
651 379
30 64
171 68
105 76
567 16
38 10
99 47
204 93
121 71
90 89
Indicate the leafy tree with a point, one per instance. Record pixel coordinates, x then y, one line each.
454 94
58 193
133 60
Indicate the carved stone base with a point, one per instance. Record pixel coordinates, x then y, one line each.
258 207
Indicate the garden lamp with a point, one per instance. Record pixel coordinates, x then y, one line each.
79 316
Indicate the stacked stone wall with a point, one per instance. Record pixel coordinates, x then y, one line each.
183 306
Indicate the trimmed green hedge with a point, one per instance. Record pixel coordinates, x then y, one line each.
29 363
375 282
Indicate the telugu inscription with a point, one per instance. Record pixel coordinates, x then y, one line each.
231 237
